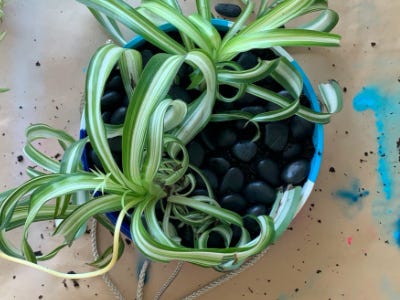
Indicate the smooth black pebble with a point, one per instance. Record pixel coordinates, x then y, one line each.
247 60
301 128
234 202
211 178
118 116
245 151
110 100
295 172
292 151
186 234
215 240
248 99
207 138
95 160
115 144
218 165
269 171
276 136
115 83
125 100
226 137
259 192
146 55
228 10
196 153
257 210
285 94
252 226
232 181
177 92
255 110
106 116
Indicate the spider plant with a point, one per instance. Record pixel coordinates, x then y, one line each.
156 173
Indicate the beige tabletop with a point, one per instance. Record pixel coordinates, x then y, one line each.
344 244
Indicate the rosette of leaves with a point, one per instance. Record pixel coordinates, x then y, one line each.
156 174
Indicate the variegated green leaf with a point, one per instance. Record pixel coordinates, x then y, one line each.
152 88
127 15
276 37
332 96
130 65
179 21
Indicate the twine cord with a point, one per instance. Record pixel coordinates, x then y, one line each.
114 289
169 281
140 287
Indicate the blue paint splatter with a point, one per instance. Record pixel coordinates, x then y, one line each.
370 98
354 194
396 234
384 102
352 197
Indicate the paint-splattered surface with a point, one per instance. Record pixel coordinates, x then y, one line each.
344 244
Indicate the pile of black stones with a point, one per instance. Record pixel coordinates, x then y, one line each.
244 174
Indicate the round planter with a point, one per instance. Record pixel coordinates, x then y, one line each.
317 138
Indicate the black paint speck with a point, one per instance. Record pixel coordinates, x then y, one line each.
344 89
373 44
38 64
38 253
319 271
20 158
40 297
14 276
332 170
74 281
296 290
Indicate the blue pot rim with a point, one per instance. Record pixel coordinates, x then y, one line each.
318 136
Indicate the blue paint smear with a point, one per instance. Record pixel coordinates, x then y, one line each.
385 104
396 234
354 194
370 98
